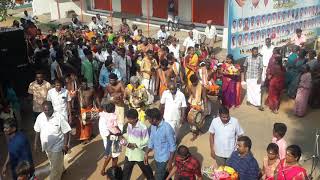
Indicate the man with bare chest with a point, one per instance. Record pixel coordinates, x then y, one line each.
164 75
115 93
198 106
88 110
73 86
178 77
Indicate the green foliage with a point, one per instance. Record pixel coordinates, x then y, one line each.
4 6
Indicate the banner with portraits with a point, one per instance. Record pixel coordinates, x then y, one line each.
252 21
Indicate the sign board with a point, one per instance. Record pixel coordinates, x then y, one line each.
252 21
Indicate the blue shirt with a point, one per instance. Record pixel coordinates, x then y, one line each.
247 166
162 140
104 76
19 150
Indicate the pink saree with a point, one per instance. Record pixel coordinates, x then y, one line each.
303 93
290 172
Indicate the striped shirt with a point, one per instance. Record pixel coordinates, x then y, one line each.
138 135
254 67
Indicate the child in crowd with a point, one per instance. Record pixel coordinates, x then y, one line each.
270 162
25 171
111 36
204 52
279 130
218 75
135 30
111 134
197 51
213 60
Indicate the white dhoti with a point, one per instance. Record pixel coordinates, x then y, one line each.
149 84
175 124
264 73
253 92
119 111
170 17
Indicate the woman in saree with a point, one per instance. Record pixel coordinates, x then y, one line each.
191 64
276 84
231 87
303 92
291 63
294 73
315 93
289 167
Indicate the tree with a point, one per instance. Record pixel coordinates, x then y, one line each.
4 6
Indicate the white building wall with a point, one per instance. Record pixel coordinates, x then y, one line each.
41 7
185 10
50 6
64 7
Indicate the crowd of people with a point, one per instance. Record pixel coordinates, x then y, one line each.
87 73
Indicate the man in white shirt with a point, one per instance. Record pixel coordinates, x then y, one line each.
162 33
53 131
189 42
266 52
123 63
99 55
100 21
210 35
175 49
196 34
59 98
224 131
93 25
109 52
173 104
29 17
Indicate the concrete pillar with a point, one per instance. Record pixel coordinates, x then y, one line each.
225 38
144 7
185 10
116 5
226 13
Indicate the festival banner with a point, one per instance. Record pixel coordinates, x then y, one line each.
252 21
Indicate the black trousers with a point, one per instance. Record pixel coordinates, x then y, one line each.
128 166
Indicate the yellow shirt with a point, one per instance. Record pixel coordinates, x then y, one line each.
147 65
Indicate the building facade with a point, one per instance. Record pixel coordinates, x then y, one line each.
196 11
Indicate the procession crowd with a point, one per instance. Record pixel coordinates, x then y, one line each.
88 73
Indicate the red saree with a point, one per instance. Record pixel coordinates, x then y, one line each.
276 85
285 172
